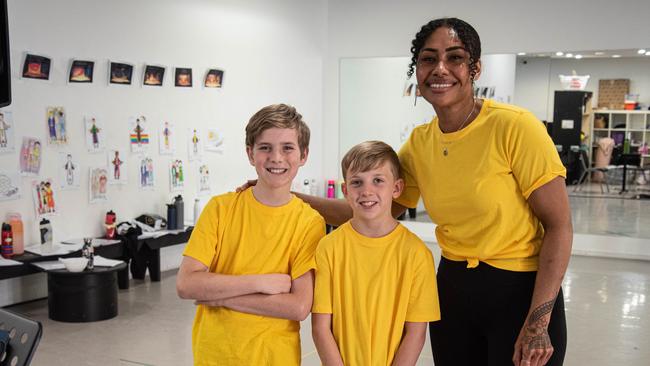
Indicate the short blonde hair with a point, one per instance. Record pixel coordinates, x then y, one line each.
279 116
370 155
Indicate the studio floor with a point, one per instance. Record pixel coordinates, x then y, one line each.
608 315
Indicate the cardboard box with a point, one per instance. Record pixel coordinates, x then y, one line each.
611 93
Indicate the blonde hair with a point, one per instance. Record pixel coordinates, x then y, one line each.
279 116
370 155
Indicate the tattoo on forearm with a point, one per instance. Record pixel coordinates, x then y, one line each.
540 312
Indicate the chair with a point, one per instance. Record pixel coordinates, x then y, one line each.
24 336
586 173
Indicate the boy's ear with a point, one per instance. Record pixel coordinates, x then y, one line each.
344 188
303 156
249 153
398 188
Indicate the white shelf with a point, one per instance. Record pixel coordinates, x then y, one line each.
633 118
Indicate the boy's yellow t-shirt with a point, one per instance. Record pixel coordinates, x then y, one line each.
475 184
371 286
237 235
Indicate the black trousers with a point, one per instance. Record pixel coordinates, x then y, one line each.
483 309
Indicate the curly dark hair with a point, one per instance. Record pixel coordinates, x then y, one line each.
466 33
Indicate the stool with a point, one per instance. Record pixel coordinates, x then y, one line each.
85 296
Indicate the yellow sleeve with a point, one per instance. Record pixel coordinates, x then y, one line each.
423 302
323 287
411 194
533 157
303 259
204 239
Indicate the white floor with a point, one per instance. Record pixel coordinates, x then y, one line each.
608 315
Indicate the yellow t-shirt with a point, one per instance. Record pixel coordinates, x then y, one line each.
238 235
477 193
371 286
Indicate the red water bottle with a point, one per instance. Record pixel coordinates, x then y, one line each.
7 241
110 225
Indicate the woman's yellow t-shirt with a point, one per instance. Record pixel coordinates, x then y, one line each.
237 235
475 184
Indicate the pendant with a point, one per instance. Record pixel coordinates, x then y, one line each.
444 151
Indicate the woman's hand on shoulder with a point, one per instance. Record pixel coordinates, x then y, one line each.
249 183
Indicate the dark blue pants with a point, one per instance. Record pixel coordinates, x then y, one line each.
483 309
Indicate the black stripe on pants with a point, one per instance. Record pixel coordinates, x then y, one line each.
483 309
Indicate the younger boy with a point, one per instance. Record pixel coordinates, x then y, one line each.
375 280
249 262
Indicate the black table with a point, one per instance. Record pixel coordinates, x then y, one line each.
625 160
85 296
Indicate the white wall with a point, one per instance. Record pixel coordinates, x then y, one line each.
365 28
271 52
537 80
498 71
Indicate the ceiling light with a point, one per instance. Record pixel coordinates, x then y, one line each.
599 53
521 54
569 55
578 57
641 51
616 56
559 53
647 53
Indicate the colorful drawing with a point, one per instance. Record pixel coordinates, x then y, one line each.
36 67
117 167
166 138
194 144
139 135
94 132
9 186
30 156
98 181
177 179
68 171
56 127
204 180
7 142
43 193
146 173
214 140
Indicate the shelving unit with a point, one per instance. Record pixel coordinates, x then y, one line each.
620 123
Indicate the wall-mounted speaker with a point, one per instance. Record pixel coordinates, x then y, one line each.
5 74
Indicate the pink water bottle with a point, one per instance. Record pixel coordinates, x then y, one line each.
330 189
17 231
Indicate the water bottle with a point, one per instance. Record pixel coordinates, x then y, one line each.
197 210
17 232
306 188
339 189
180 210
7 248
46 235
171 216
330 189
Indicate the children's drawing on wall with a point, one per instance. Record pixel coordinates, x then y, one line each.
56 127
43 193
204 180
9 186
30 156
194 144
36 67
120 73
153 75
97 182
183 77
69 172
81 71
176 177
138 134
167 138
146 173
94 132
213 79
214 140
117 167
485 92
7 142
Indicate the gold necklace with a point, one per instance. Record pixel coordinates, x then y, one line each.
445 152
